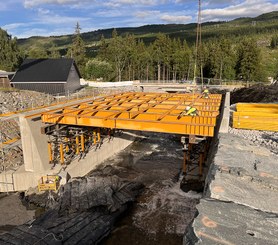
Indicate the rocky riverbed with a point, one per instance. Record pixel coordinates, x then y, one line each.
160 213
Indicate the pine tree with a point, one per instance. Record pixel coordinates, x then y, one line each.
116 53
77 50
248 65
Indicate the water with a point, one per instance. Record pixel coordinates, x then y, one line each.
162 212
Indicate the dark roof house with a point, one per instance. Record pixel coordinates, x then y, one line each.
52 76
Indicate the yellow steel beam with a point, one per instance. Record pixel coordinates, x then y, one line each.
135 105
259 107
256 116
62 159
142 111
9 142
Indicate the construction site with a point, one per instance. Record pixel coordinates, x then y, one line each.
114 168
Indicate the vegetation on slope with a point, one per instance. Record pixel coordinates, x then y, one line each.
167 51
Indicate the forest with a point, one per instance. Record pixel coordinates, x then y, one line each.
242 49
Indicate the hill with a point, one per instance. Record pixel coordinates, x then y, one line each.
262 28
263 24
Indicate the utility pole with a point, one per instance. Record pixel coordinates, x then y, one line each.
198 45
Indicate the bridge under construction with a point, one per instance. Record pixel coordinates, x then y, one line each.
54 136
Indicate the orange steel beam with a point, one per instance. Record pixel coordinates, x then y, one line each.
132 106
88 106
156 112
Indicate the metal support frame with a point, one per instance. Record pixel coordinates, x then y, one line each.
69 142
188 146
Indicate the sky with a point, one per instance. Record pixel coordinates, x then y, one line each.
25 18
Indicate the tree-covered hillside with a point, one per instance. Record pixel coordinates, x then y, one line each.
244 48
262 25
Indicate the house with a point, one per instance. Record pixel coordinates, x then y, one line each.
51 76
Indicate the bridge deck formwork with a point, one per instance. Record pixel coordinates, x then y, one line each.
155 112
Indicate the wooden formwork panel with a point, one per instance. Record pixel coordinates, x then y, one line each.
156 112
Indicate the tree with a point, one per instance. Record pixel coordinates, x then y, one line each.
161 54
10 55
116 53
181 59
77 50
96 68
248 65
220 58
274 42
54 53
144 61
38 52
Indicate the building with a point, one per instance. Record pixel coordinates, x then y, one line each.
51 76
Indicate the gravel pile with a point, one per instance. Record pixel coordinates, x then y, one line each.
11 159
260 138
20 100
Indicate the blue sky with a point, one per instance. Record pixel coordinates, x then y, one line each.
25 18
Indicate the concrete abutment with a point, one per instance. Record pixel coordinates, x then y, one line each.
36 158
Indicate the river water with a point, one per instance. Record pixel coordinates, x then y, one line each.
162 211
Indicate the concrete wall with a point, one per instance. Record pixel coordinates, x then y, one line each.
34 144
6 181
225 112
95 157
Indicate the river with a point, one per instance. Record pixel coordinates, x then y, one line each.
162 211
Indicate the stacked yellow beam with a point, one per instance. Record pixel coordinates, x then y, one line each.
256 116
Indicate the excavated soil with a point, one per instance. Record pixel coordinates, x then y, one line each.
256 94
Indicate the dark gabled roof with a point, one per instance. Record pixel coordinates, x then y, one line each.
44 70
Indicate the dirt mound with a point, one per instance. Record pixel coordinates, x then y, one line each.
256 93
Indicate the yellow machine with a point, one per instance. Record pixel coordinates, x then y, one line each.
49 182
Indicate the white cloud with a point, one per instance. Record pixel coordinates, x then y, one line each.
146 14
124 3
248 8
176 19
47 17
109 3
15 26
33 3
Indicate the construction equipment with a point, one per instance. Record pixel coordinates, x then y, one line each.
49 182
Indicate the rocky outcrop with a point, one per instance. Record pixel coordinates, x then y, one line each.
240 199
83 212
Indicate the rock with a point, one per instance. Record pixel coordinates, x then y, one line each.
83 212
15 212
233 177
228 223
